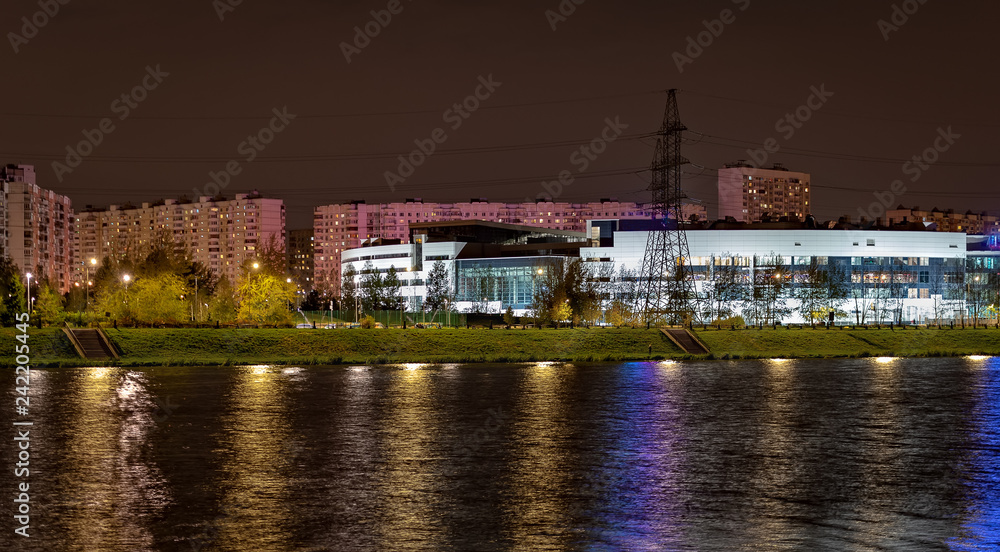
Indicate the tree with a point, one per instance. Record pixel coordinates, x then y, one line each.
391 298
508 316
222 305
438 287
624 296
158 299
765 301
725 290
314 302
372 288
812 292
480 288
264 298
271 256
12 292
620 313
349 290
49 306
561 311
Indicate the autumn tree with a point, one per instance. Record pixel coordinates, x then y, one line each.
49 306
222 305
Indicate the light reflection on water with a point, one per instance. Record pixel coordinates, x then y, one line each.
410 473
112 489
860 454
537 479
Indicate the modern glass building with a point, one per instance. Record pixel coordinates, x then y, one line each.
883 275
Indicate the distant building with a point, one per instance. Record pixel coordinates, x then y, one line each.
491 265
747 193
343 226
946 221
299 254
887 275
217 232
38 227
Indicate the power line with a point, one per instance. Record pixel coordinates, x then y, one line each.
721 141
826 111
416 188
328 115
322 157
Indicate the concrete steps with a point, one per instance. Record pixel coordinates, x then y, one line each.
685 340
90 344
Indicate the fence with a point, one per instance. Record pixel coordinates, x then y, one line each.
388 318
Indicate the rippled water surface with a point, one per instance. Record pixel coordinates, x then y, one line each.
866 454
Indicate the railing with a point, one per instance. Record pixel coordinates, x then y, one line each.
115 351
72 339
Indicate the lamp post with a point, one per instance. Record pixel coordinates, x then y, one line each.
28 298
126 278
86 290
196 300
255 266
534 293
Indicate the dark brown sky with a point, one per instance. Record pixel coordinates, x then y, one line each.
225 77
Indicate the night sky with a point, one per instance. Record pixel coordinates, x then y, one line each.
556 90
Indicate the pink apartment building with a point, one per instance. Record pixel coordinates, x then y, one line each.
343 226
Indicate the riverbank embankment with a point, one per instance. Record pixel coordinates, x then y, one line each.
165 347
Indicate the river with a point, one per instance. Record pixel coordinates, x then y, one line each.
840 454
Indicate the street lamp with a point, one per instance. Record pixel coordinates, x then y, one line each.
86 290
409 300
28 298
126 278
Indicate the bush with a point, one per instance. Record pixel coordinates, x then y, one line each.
368 322
730 321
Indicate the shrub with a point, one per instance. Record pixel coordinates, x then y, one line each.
730 321
368 322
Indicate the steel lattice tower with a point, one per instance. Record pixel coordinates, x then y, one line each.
666 291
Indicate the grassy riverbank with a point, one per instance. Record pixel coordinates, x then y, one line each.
816 343
154 347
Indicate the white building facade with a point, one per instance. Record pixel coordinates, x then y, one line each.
925 269
923 275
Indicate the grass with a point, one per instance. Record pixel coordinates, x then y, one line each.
159 347
817 343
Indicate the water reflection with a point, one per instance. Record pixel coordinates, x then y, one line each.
118 491
537 482
851 454
981 526
256 503
409 488
641 501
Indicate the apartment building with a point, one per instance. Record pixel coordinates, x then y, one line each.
37 226
946 221
217 232
299 254
746 192
344 226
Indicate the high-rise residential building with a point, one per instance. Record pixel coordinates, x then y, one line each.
746 193
344 226
217 232
37 227
946 221
299 254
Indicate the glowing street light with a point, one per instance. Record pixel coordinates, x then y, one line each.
28 277
126 278
86 290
